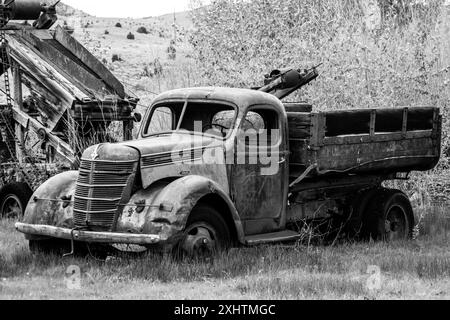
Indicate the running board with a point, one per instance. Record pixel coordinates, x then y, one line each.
286 235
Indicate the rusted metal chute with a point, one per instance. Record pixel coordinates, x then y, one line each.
281 83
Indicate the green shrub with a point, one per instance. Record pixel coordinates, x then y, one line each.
116 57
142 30
397 63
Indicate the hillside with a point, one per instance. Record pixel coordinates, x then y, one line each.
144 64
182 19
68 11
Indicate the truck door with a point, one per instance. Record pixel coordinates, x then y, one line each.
258 179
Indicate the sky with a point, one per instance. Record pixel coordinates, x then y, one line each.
129 8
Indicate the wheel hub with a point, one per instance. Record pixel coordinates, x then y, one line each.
395 224
199 242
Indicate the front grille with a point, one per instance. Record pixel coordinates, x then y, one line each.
101 187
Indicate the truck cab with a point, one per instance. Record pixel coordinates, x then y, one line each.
214 167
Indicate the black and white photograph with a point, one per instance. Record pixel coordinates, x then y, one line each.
240 153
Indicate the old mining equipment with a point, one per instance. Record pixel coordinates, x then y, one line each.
70 97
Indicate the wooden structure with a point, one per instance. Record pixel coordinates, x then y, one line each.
366 141
72 91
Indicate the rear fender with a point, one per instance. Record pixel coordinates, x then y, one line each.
165 207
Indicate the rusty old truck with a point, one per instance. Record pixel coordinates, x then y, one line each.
217 167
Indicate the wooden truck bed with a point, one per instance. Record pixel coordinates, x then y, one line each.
368 141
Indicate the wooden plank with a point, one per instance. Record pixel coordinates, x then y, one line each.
18 96
406 154
87 58
44 73
405 122
106 116
128 130
318 122
373 119
298 107
31 62
299 125
60 146
379 137
46 79
41 34
85 81
299 118
47 104
35 87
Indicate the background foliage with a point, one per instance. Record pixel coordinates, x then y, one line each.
400 62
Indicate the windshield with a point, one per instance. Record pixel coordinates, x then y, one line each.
199 117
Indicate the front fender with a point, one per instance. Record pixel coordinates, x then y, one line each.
52 203
168 205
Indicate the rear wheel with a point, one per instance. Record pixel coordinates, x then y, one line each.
389 217
206 233
14 198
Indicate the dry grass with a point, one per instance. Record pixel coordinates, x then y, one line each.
417 269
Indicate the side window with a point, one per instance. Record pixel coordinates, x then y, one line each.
261 127
161 121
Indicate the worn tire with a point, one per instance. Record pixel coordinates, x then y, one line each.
19 193
205 218
389 217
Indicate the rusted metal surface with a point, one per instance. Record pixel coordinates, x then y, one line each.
52 202
164 208
89 236
159 161
281 83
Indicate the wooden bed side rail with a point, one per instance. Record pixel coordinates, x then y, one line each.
365 125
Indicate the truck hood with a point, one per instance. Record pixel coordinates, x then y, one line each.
171 142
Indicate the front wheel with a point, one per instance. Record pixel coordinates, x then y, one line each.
14 198
389 216
206 233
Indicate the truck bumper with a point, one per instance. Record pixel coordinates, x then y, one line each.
88 236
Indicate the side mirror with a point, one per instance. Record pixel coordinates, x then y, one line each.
137 117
